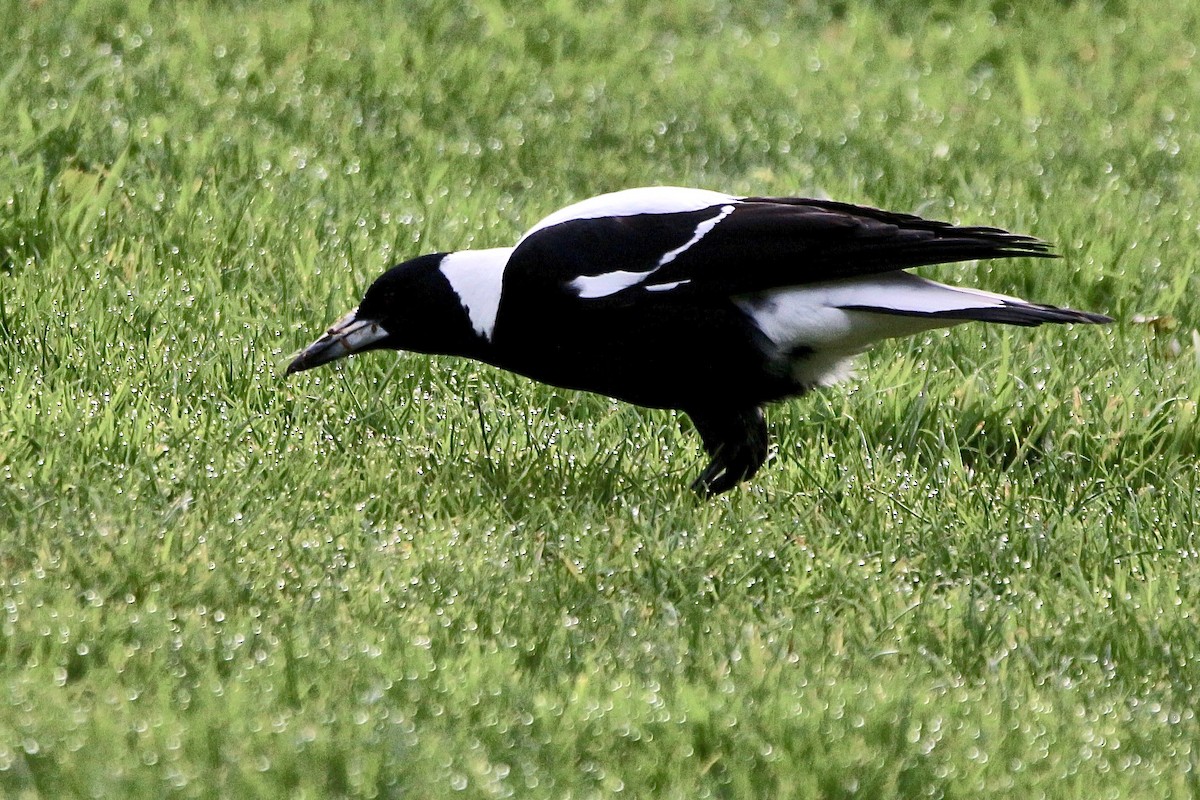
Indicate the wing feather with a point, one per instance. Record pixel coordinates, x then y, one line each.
743 245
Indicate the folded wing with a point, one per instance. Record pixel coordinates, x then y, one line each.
714 243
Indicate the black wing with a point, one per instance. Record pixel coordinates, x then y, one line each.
748 245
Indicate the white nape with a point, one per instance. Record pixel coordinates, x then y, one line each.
477 277
629 202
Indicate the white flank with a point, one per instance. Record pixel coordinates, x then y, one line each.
856 312
701 230
477 277
628 202
839 319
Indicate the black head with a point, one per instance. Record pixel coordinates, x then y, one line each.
412 306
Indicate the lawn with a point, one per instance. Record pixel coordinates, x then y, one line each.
972 572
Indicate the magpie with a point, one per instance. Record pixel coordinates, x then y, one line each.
689 299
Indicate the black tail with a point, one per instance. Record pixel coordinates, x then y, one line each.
1025 314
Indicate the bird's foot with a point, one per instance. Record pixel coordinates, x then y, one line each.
737 442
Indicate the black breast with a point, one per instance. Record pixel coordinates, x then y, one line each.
668 354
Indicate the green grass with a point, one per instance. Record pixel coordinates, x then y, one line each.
973 572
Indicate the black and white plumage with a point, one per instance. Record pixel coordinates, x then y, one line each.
689 299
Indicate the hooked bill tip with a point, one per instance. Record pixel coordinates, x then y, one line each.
295 366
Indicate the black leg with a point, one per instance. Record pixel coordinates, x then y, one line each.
737 442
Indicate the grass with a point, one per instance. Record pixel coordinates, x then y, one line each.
973 572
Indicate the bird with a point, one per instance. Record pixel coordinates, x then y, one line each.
708 303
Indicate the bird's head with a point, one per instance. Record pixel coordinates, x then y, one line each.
412 306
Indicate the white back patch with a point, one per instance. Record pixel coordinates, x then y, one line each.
628 202
477 277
